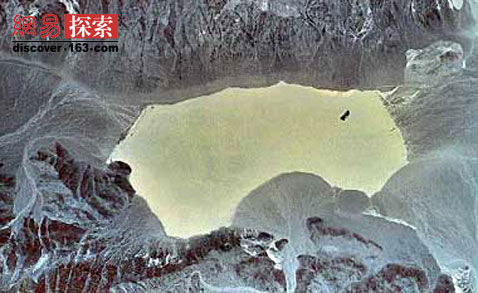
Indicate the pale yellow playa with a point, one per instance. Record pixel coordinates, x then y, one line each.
194 161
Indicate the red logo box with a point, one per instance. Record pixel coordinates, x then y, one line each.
91 26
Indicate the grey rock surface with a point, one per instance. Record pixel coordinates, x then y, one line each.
301 208
438 197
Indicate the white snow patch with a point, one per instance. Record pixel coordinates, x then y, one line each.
374 213
457 4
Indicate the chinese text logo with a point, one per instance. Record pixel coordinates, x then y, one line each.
91 26
77 26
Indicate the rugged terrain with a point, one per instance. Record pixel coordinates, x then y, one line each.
71 223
